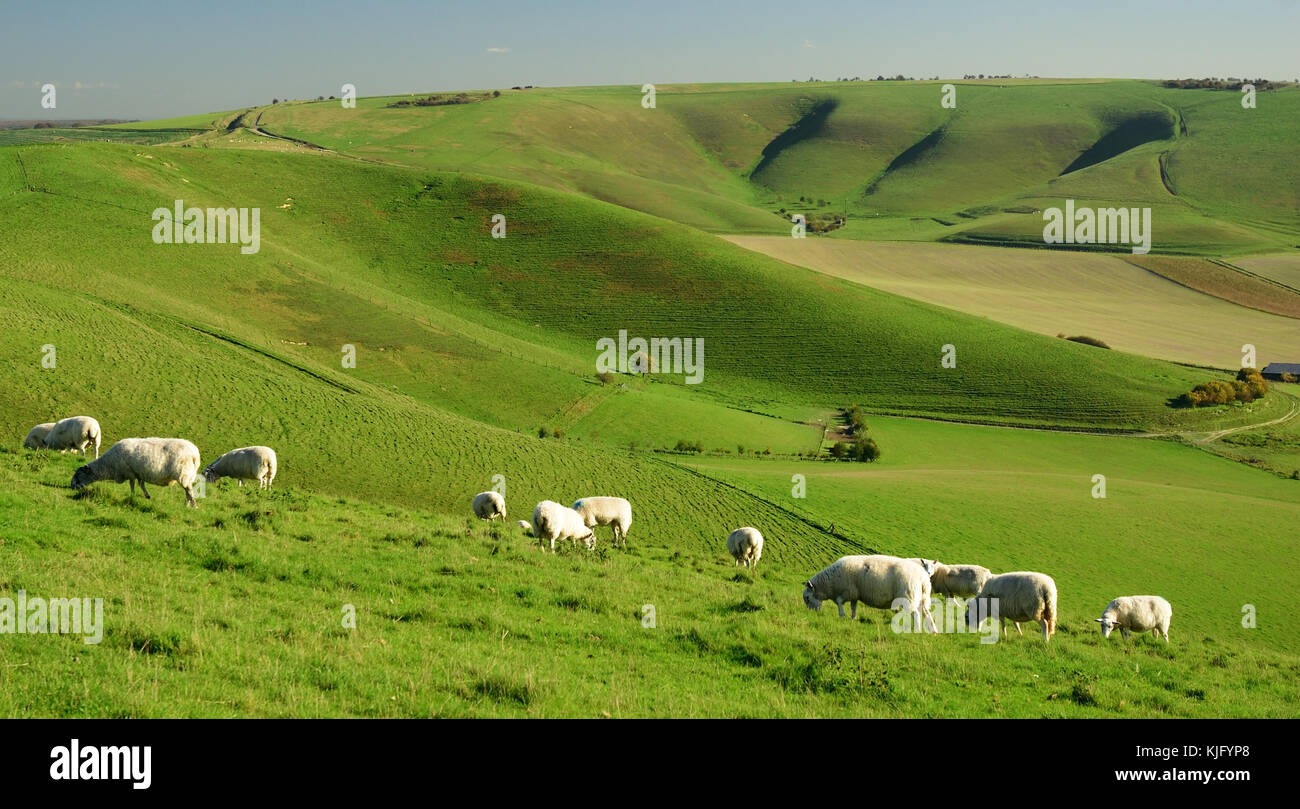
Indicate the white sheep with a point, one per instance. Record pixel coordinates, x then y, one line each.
36 437
489 505
613 511
1020 596
963 581
876 581
162 461
1137 614
745 546
75 433
552 521
245 463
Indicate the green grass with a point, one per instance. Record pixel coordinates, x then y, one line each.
236 609
1176 520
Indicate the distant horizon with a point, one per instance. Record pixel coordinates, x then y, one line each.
863 80
142 60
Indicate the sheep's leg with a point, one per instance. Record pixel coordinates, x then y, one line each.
1019 631
132 482
839 602
145 491
189 496
1124 631
1043 624
853 610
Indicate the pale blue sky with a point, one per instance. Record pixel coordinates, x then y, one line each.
151 59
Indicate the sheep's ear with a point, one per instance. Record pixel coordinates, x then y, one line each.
808 584
1098 620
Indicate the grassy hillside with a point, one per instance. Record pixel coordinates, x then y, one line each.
719 156
402 267
236 610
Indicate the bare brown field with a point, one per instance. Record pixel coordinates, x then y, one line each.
1053 292
1214 279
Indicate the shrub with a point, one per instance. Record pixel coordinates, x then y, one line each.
865 449
689 446
543 432
1090 341
605 377
1247 387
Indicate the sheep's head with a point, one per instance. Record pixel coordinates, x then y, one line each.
930 565
810 599
1107 624
209 475
81 478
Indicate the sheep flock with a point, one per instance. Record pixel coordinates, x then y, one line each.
908 586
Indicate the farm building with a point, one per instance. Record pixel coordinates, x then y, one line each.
1282 371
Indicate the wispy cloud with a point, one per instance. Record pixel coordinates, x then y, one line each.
808 43
498 50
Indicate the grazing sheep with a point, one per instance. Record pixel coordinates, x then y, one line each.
1020 596
552 521
163 461
1137 614
876 581
745 546
963 581
36 437
613 511
75 433
245 463
489 506
528 529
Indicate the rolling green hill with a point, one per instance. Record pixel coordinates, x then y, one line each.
403 267
719 156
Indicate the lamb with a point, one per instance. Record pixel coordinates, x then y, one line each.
1137 614
963 581
145 460
75 433
36 437
1020 596
877 581
613 511
746 546
552 521
489 506
245 463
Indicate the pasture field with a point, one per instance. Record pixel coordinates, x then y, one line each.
1020 500
236 610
